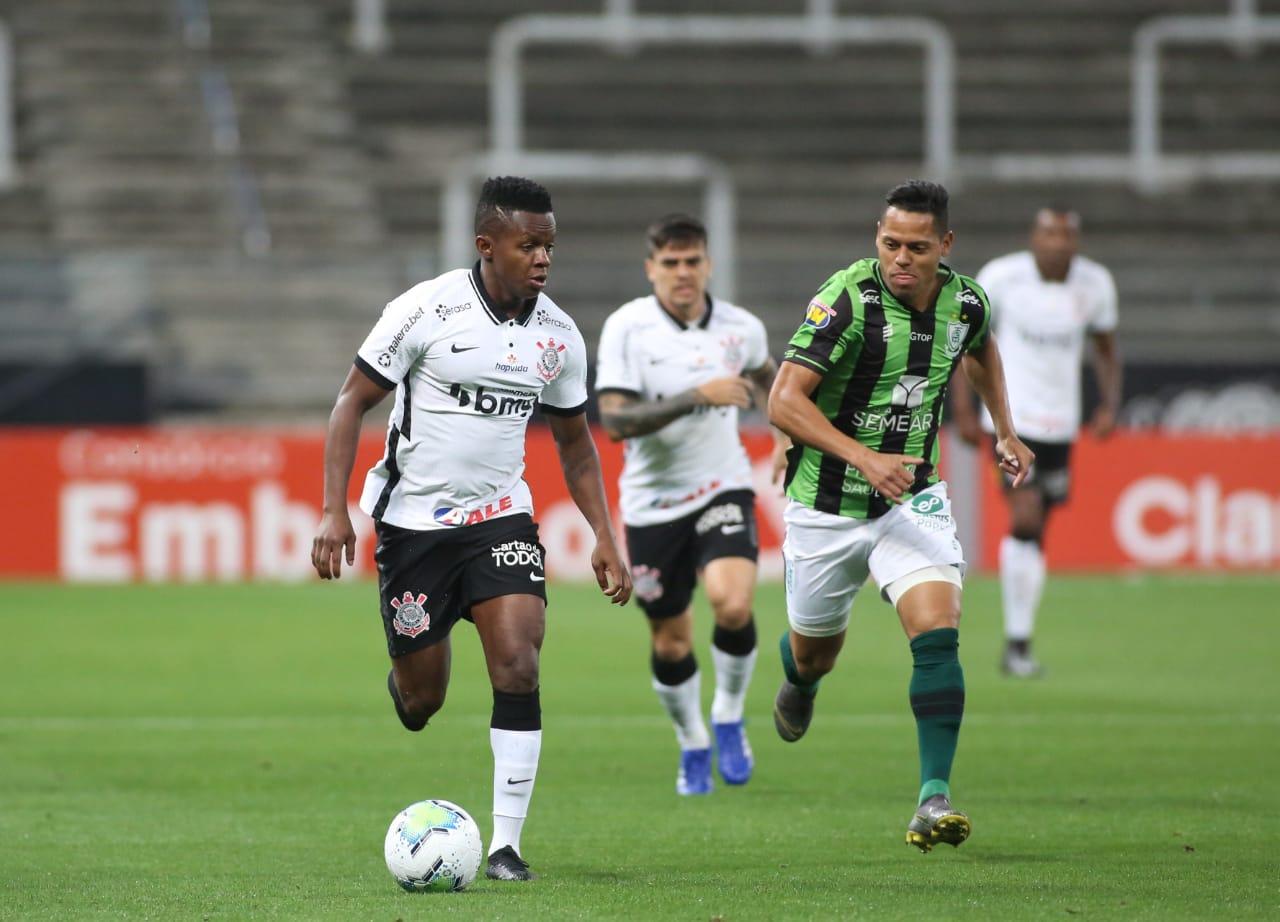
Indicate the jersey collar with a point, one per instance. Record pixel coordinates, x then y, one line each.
702 323
477 282
944 270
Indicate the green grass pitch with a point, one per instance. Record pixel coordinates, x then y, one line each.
229 752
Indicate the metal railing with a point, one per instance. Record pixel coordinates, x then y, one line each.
818 31
8 165
719 198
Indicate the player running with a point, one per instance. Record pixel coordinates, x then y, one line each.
674 368
1045 303
861 392
470 354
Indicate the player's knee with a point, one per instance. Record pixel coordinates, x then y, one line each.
813 664
516 673
419 705
671 649
732 611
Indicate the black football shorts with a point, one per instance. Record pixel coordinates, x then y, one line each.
427 580
666 558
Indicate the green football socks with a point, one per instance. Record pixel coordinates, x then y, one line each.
937 700
789 668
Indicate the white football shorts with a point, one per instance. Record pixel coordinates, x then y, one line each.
828 557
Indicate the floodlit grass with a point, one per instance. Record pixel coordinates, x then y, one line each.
228 752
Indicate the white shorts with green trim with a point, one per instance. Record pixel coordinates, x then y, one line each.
828 557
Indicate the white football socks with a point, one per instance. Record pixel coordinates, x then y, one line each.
1022 572
684 704
733 675
515 766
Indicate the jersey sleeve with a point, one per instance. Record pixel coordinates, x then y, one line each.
617 365
979 327
396 341
827 330
566 393
988 282
757 346
1106 314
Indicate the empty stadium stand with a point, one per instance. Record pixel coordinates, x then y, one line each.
346 152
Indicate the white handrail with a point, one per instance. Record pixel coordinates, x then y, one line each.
369 26
719 198
8 165
1243 27
506 73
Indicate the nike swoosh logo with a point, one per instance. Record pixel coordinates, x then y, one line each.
731 529
454 348
536 578
511 780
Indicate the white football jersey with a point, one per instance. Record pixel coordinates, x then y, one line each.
647 352
466 383
1041 328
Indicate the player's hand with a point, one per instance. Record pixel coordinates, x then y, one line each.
612 575
968 429
1015 458
725 392
889 475
778 461
1103 422
334 535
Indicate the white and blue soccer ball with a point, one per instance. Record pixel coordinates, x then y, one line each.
433 845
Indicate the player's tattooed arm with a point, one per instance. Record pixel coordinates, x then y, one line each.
625 415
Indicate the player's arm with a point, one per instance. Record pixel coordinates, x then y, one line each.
359 394
791 409
625 414
581 466
762 381
985 372
963 411
1108 372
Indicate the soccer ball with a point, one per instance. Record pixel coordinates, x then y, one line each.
433 845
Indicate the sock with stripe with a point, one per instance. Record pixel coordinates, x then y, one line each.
789 668
937 700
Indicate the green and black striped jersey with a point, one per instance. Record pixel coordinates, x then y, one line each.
885 369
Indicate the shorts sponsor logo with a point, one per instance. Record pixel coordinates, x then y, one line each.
928 504
818 315
411 618
516 554
724 517
551 361
956 333
646 582
444 313
452 515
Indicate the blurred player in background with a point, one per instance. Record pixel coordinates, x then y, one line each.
674 368
1045 301
861 392
469 355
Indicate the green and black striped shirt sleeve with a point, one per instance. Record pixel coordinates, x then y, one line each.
832 324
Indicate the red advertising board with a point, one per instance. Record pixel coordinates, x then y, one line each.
1150 501
118 505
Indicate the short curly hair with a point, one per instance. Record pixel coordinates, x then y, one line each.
502 195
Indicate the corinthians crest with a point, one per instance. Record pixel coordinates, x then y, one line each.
411 618
956 333
551 360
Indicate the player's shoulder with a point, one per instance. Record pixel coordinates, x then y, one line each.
1010 265
1090 270
637 310
449 294
730 314
553 318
